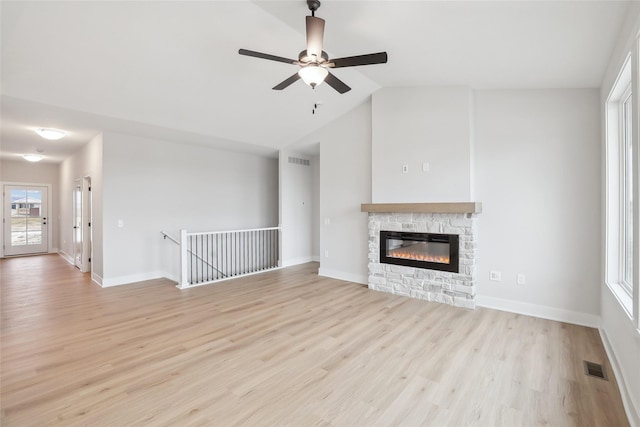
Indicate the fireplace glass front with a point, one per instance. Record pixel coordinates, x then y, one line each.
422 250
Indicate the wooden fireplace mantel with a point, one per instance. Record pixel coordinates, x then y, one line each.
453 207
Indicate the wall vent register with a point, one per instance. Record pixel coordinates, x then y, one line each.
299 161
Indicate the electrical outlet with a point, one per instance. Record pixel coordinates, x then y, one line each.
326 253
496 276
521 279
405 168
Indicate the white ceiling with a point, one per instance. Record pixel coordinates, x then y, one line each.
171 69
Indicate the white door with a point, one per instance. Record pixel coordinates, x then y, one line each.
77 226
25 220
86 225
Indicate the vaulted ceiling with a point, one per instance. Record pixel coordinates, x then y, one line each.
171 70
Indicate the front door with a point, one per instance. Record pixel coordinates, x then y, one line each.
25 219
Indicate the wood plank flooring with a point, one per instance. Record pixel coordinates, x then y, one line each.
282 348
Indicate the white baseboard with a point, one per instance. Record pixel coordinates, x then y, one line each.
630 405
65 256
315 258
341 275
303 260
542 311
96 278
133 278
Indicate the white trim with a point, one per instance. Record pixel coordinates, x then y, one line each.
65 256
96 278
315 258
341 275
87 218
215 282
629 404
233 231
542 311
297 261
133 278
623 298
184 273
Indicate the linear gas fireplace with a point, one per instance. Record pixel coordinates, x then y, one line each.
421 250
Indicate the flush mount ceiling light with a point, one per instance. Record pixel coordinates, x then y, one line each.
32 157
52 134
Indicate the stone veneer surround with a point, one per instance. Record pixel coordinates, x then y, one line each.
458 289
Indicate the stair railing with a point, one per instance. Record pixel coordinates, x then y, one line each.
209 257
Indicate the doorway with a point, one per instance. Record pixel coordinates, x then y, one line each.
77 225
82 235
25 219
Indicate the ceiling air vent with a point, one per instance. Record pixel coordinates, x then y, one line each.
595 370
298 161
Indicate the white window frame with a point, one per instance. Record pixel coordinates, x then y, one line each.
615 191
625 113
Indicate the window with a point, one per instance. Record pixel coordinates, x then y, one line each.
619 190
626 196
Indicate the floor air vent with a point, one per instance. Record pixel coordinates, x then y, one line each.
595 370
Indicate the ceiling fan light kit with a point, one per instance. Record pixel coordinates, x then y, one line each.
313 75
314 62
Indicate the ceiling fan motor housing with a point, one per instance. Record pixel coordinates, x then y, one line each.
305 58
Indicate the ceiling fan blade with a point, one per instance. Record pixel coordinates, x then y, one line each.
315 34
352 61
267 56
287 82
336 83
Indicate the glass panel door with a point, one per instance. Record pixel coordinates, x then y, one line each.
25 220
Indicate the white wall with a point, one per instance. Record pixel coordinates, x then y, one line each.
416 125
537 176
620 335
154 185
22 171
345 183
86 162
315 215
296 208
622 341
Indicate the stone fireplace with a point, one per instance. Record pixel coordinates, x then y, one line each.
424 250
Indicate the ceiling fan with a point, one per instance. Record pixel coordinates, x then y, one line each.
314 62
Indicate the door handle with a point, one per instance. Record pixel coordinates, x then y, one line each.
75 226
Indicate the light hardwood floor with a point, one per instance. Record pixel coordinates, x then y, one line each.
282 348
